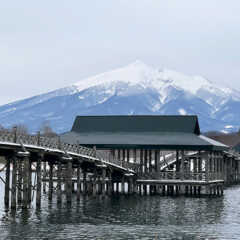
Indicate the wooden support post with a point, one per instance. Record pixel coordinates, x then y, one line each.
123 157
110 184
113 154
29 181
117 187
90 185
177 189
135 186
150 160
182 165
94 190
123 186
221 190
141 161
128 155
26 182
19 180
119 155
130 185
199 164
199 190
99 183
145 161
182 172
195 165
135 155
156 159
84 182
14 182
44 176
195 190
50 190
39 182
59 182
103 181
177 162
7 182
151 190
163 190
69 181
144 189
140 189
78 182
207 163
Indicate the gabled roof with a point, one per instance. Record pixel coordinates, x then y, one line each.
155 132
137 123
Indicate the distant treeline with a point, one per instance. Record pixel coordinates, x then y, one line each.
230 139
45 130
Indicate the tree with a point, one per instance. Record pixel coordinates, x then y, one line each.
2 129
46 130
21 129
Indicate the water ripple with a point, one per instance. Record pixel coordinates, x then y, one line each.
127 217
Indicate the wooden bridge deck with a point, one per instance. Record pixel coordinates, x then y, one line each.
179 182
53 161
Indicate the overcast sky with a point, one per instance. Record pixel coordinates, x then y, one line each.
45 45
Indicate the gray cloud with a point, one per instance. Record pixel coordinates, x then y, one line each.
46 45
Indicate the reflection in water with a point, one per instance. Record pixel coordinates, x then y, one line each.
126 217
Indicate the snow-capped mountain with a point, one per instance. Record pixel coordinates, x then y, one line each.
134 89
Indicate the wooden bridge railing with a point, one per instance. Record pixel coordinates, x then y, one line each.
170 175
56 144
118 162
46 142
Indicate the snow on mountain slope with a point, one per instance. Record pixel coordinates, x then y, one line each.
138 73
134 89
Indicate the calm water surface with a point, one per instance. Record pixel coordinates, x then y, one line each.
123 217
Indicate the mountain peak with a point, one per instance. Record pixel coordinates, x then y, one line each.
186 82
132 89
134 73
140 73
139 64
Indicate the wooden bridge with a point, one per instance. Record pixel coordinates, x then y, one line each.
49 158
35 164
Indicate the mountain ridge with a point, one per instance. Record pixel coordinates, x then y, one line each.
133 89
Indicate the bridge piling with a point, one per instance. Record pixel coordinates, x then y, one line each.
84 182
14 182
29 180
50 187
100 187
123 185
110 184
19 166
7 182
69 181
59 182
103 181
94 190
78 182
26 177
39 181
44 176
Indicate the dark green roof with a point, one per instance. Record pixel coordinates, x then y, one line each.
156 132
155 123
237 147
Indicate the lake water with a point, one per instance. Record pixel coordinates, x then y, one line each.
127 217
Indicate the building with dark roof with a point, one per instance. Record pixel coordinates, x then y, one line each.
154 144
148 132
